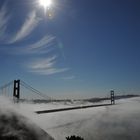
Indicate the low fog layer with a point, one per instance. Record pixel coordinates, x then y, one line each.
14 126
118 122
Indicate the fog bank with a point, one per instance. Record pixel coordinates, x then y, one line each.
14 124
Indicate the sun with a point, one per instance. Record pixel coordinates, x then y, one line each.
46 3
47 6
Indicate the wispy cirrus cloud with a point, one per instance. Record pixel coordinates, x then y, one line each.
68 77
28 26
45 40
50 71
41 46
16 41
4 18
44 63
45 66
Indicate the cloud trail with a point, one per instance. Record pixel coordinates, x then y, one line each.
17 41
40 46
68 77
4 18
28 26
45 66
45 40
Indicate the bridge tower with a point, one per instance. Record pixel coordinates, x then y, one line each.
16 90
112 96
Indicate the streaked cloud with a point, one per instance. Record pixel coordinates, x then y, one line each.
45 66
45 40
28 26
41 46
4 18
44 63
68 77
50 71
36 46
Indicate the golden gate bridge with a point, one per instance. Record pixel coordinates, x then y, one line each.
21 91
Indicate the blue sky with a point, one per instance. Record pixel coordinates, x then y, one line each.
83 50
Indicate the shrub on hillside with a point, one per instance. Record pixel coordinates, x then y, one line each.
74 138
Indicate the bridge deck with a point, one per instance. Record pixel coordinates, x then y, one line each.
71 108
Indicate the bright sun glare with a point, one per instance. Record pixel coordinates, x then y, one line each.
46 3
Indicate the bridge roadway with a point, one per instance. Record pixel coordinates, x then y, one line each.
70 108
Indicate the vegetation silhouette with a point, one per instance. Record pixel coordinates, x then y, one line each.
74 138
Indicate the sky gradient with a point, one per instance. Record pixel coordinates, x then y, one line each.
85 49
